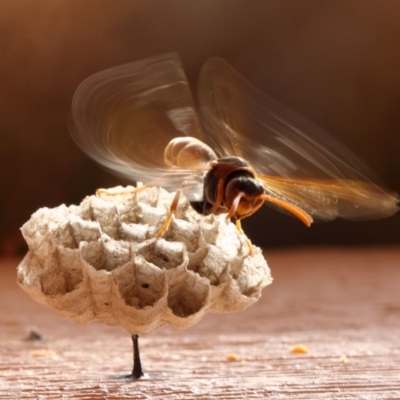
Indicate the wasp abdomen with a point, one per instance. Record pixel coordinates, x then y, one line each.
188 153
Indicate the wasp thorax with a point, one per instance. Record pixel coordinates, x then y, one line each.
189 153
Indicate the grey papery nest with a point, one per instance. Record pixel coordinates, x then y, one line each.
101 261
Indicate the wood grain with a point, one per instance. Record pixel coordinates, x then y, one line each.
343 305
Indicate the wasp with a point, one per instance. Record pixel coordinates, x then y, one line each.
230 184
237 150
229 152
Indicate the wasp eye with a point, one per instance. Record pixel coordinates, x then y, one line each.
246 183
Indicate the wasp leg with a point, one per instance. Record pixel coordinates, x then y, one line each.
220 196
239 228
156 183
172 209
106 192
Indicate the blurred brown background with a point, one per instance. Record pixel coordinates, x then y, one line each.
336 62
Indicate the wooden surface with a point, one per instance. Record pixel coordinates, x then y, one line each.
344 305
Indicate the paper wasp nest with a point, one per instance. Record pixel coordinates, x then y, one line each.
100 261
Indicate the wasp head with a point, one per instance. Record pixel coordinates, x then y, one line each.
242 194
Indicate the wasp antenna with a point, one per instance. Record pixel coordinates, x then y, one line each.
234 205
296 211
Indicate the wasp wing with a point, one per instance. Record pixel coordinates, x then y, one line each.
327 199
300 163
125 116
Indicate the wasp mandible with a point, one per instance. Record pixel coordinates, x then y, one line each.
236 151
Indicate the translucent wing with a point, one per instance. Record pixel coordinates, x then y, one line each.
328 199
297 162
125 116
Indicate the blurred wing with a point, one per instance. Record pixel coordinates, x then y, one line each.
299 162
328 199
125 116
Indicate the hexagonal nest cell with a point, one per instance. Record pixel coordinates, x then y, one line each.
101 261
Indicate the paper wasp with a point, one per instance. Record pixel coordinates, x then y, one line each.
238 150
